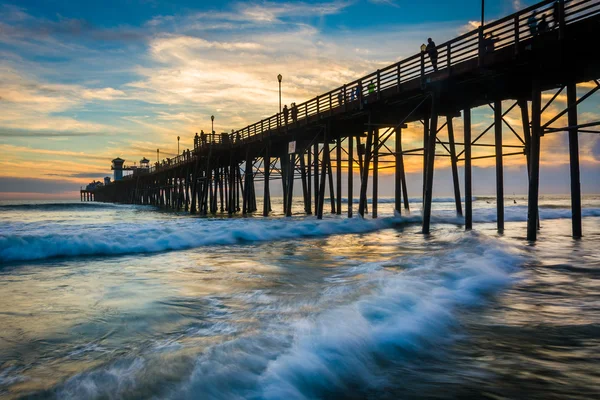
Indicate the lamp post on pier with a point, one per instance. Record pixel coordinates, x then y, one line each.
279 78
482 12
158 155
212 124
178 144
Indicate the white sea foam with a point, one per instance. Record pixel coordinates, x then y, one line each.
122 238
339 350
25 243
409 313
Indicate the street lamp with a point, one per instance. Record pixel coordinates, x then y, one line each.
212 123
279 78
482 11
178 144
423 48
157 155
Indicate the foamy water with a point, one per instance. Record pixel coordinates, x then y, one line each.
109 301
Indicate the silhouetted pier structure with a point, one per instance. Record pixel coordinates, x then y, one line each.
353 125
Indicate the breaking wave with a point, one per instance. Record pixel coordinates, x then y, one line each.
354 350
185 233
59 206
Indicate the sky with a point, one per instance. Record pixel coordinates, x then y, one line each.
84 82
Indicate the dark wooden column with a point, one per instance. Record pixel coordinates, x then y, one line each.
454 162
362 206
574 160
338 175
267 176
534 178
375 156
430 163
468 170
350 174
499 165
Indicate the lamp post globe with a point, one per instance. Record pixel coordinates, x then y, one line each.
423 48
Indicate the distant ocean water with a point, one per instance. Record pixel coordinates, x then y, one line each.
116 301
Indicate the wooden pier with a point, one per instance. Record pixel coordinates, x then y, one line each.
349 129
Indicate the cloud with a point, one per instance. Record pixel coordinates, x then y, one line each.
517 5
391 3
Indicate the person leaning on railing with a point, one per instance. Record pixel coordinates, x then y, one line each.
532 23
433 53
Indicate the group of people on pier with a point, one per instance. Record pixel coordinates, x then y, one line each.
292 110
536 27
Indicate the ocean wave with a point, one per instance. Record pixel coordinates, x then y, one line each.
344 351
519 213
186 233
59 206
179 234
411 200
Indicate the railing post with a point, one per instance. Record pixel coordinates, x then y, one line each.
480 46
378 84
360 95
318 109
561 19
344 100
306 112
517 33
422 70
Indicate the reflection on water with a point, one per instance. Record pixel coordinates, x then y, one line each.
252 308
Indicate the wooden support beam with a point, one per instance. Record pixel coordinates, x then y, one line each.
425 147
468 170
330 179
362 205
221 178
309 181
247 172
267 175
350 174
574 160
338 181
454 163
375 156
316 168
324 164
284 163
290 184
431 142
305 196
398 172
534 178
499 165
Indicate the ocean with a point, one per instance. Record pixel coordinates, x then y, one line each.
104 301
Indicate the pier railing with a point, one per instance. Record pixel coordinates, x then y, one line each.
499 34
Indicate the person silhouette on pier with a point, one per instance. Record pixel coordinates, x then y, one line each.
542 26
433 53
294 112
286 113
532 23
340 98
